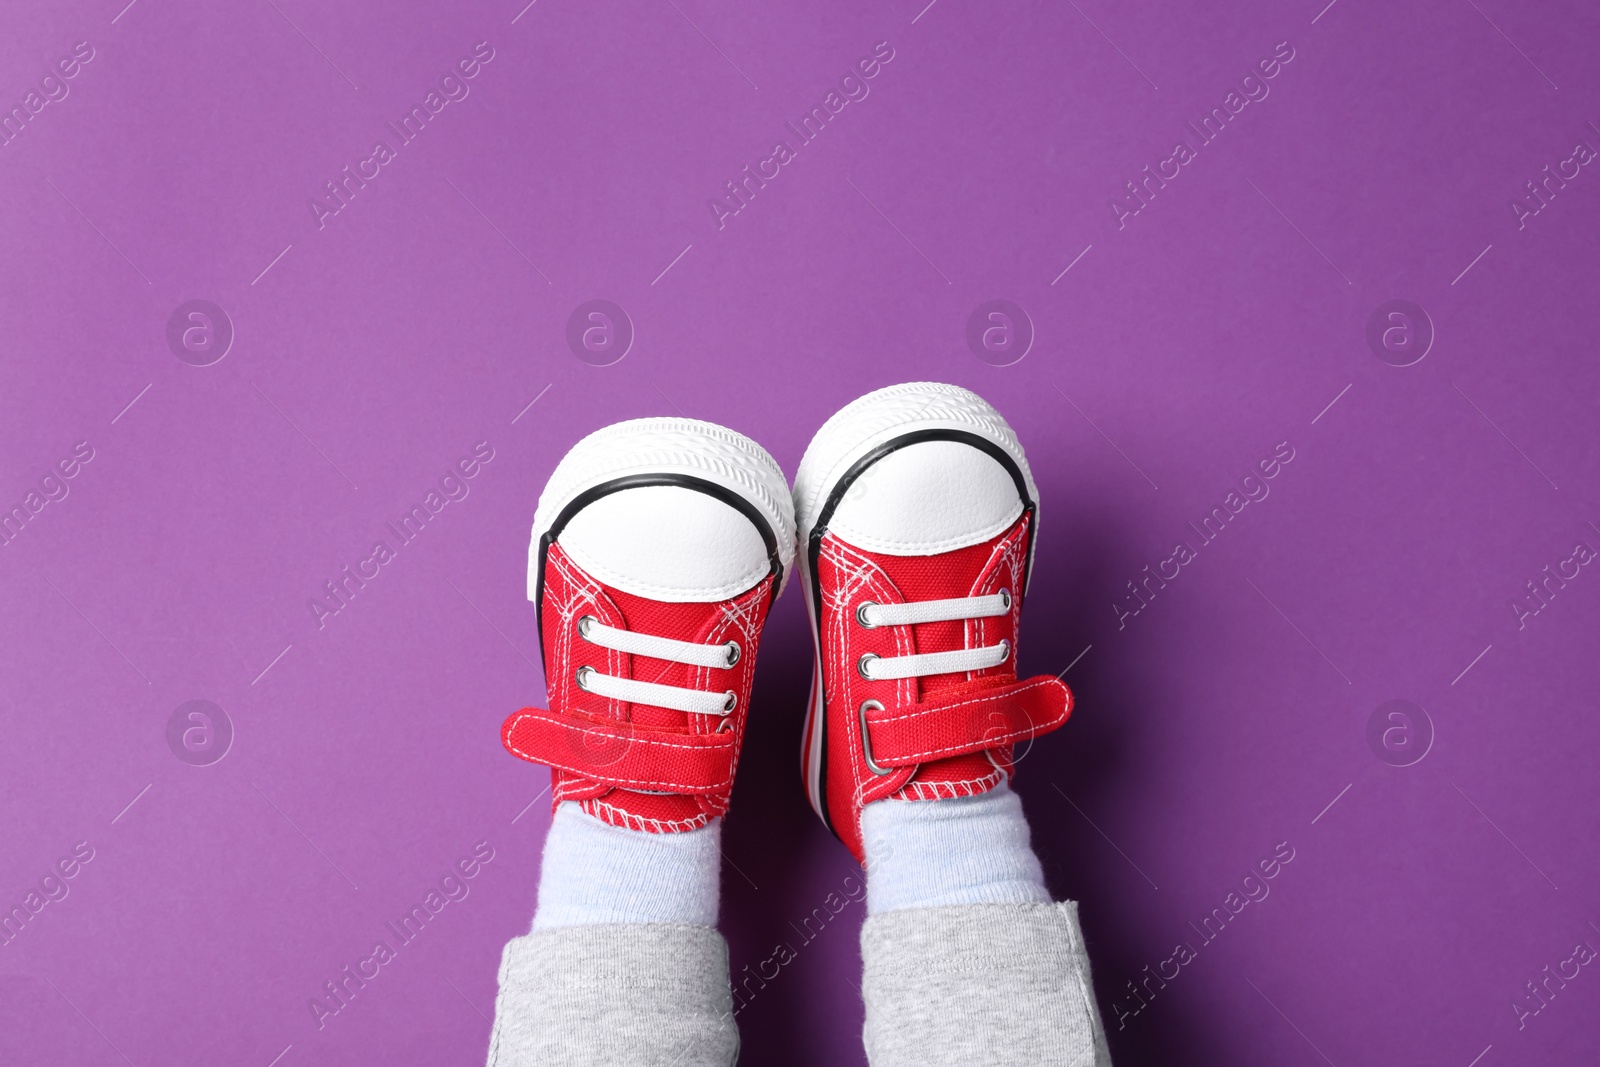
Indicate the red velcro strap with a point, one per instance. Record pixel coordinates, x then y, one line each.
623 755
938 728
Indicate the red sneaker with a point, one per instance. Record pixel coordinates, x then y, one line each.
917 519
658 547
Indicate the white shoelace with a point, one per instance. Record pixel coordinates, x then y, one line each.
876 668
694 701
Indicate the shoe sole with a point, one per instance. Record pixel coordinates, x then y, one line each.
858 435
689 453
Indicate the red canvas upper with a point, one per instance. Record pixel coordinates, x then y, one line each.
939 736
629 764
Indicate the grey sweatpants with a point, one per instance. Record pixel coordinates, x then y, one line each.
1004 984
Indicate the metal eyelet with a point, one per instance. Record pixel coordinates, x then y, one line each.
730 703
582 678
1007 646
863 663
866 743
1005 599
734 652
861 614
583 626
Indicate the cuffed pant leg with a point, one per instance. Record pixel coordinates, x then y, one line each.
1004 984
622 995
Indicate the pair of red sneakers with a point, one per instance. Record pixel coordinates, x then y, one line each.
660 545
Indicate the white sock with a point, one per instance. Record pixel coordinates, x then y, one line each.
935 853
596 873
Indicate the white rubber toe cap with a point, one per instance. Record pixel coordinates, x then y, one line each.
926 498
667 543
935 492
675 510
868 422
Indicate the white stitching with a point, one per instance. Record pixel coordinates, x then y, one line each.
611 814
967 787
575 589
961 748
855 572
634 740
993 695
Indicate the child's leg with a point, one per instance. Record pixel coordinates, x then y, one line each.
965 959
658 547
919 515
623 965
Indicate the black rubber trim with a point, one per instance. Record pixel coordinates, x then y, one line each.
842 486
638 481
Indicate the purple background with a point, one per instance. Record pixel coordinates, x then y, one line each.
376 350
